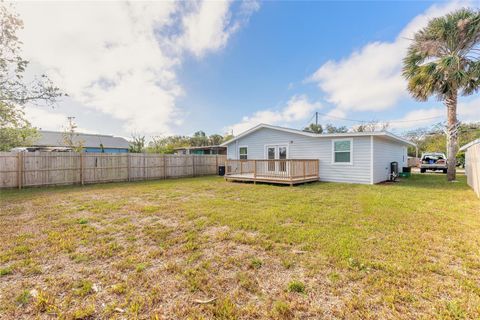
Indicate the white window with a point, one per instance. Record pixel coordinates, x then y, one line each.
342 151
243 152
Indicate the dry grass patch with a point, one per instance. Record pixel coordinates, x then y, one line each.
206 249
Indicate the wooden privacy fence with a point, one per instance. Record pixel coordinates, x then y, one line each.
60 168
413 162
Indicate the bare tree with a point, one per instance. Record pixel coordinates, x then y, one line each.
330 128
71 138
137 144
15 90
371 126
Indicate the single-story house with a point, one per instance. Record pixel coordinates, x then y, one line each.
91 142
472 164
201 150
353 157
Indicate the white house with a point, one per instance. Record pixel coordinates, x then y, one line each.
354 157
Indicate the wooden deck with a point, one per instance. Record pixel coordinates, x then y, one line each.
290 171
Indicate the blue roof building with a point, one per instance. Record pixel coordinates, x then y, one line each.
91 142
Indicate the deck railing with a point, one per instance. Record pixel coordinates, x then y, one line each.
288 169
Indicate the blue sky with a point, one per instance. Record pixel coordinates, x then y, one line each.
283 44
222 66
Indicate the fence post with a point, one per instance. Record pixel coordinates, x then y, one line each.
254 171
144 167
193 165
128 167
291 173
164 166
81 169
19 169
216 164
303 162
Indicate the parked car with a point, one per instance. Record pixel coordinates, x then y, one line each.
433 161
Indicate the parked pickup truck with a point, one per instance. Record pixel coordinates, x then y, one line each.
433 161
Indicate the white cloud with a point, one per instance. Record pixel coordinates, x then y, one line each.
122 59
334 114
469 111
370 78
49 119
45 119
202 25
297 108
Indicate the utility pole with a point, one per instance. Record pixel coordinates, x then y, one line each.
70 121
316 118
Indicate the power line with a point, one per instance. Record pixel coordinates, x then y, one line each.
309 121
422 119
364 121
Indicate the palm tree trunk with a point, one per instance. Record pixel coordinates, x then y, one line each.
451 104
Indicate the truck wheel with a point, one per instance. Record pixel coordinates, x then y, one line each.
444 170
423 170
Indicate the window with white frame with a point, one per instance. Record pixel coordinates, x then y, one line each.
342 151
243 152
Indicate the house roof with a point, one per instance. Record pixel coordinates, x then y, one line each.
468 145
55 139
385 134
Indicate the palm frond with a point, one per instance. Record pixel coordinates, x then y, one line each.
443 57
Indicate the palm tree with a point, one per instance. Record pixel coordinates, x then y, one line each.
443 61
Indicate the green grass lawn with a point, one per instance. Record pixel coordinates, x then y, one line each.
166 249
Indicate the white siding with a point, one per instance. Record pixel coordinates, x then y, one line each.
472 167
386 151
357 172
304 147
232 150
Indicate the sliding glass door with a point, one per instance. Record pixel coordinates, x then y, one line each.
277 152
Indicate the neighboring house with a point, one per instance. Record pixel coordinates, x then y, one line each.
360 157
202 150
472 164
91 142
